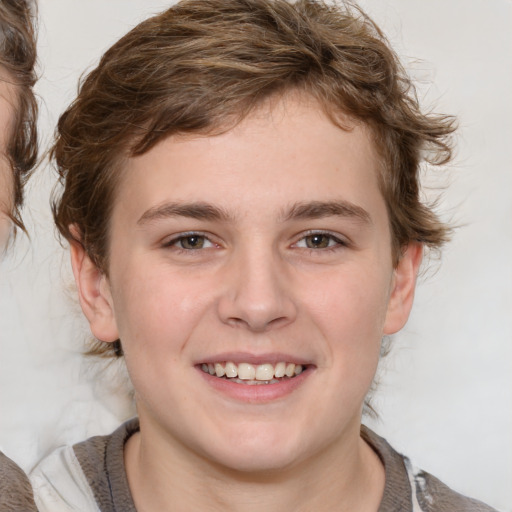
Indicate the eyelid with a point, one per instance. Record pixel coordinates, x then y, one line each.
171 240
341 241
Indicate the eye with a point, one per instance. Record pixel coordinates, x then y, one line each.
190 242
319 241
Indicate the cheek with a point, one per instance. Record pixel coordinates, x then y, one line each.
351 304
350 312
5 203
5 227
4 233
159 309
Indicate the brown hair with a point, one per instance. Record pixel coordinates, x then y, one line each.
205 64
18 58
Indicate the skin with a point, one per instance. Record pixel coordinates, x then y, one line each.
6 118
261 285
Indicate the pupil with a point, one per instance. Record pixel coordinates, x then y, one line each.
318 241
192 242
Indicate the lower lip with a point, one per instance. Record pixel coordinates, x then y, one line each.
258 393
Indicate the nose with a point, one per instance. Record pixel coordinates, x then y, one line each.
257 292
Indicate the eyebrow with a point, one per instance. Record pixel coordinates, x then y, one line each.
321 209
199 211
304 210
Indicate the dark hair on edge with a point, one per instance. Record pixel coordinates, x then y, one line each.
18 60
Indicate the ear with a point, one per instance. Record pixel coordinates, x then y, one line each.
402 288
94 294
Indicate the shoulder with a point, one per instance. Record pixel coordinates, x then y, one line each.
408 488
60 485
15 488
433 495
79 477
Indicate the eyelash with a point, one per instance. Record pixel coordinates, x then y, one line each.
174 242
338 242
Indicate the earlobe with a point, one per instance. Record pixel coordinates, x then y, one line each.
94 294
402 289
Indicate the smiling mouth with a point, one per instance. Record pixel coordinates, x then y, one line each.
246 373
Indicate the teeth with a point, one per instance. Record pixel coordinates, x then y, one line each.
263 373
219 370
231 370
246 371
280 370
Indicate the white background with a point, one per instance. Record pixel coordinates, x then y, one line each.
446 393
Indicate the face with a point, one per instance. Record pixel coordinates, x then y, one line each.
6 116
260 252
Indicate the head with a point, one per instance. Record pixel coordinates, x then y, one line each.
18 133
240 180
187 71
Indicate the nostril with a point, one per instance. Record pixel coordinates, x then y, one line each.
257 326
254 297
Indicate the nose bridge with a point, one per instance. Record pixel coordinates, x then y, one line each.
257 295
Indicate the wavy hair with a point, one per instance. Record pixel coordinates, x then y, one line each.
203 65
18 60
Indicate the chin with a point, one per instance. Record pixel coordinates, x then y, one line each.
258 451
256 462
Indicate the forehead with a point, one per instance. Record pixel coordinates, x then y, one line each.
288 138
285 148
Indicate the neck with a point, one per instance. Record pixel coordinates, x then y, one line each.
164 477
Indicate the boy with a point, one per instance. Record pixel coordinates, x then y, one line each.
18 153
241 199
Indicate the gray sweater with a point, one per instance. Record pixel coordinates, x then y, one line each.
15 489
90 476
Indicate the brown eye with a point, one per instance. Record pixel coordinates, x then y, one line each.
192 242
318 241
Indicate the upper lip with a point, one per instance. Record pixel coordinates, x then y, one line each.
251 358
